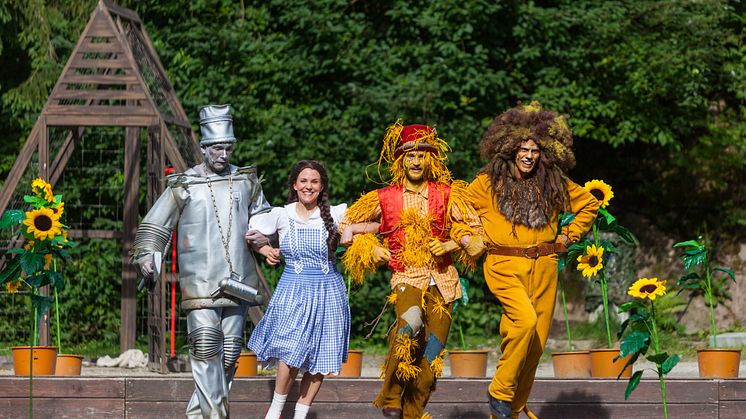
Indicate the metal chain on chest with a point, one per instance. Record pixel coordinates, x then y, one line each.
225 239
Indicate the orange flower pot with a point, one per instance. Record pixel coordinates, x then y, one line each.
68 364
576 364
45 360
604 366
472 363
718 363
246 365
354 365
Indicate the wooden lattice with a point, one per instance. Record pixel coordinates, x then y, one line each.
114 78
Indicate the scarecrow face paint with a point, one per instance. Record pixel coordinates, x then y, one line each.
414 166
527 158
217 157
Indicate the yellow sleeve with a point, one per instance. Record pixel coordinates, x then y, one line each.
367 208
358 258
465 221
461 210
585 207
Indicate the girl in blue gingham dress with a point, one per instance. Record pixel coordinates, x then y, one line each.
307 323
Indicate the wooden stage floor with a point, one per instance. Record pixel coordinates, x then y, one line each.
166 397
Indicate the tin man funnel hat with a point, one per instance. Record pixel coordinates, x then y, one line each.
216 124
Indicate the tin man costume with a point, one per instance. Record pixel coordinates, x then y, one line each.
209 205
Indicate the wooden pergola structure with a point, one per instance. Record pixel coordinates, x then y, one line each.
114 78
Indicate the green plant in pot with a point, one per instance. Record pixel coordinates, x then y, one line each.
702 277
34 265
589 256
465 362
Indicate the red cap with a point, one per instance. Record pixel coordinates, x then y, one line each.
414 137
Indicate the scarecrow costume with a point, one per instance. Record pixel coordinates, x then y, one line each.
519 215
424 283
210 213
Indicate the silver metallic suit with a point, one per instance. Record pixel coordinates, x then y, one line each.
210 212
215 324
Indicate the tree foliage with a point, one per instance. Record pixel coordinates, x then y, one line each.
655 91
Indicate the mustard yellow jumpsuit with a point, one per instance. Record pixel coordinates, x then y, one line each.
525 287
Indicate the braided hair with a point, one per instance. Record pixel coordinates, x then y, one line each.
332 240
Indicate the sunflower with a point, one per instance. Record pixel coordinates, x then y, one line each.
647 288
600 190
43 224
42 189
12 287
59 209
591 261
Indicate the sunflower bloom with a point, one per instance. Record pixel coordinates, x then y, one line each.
59 209
43 224
592 261
42 189
47 261
12 286
647 288
600 190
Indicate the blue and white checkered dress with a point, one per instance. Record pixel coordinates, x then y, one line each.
307 323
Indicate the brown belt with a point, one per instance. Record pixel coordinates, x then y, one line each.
532 252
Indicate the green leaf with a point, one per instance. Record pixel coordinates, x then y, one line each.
566 218
658 358
629 305
11 271
693 259
687 243
561 263
31 262
608 247
671 362
607 219
41 303
687 277
57 280
11 217
634 381
727 271
625 235
635 342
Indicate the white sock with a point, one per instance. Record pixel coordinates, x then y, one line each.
275 409
301 410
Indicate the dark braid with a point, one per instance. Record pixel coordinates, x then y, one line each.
332 240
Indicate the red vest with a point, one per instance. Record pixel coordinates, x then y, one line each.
391 199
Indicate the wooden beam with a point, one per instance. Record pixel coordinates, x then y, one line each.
172 150
128 325
101 120
94 234
80 62
53 110
63 156
98 79
19 167
100 94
